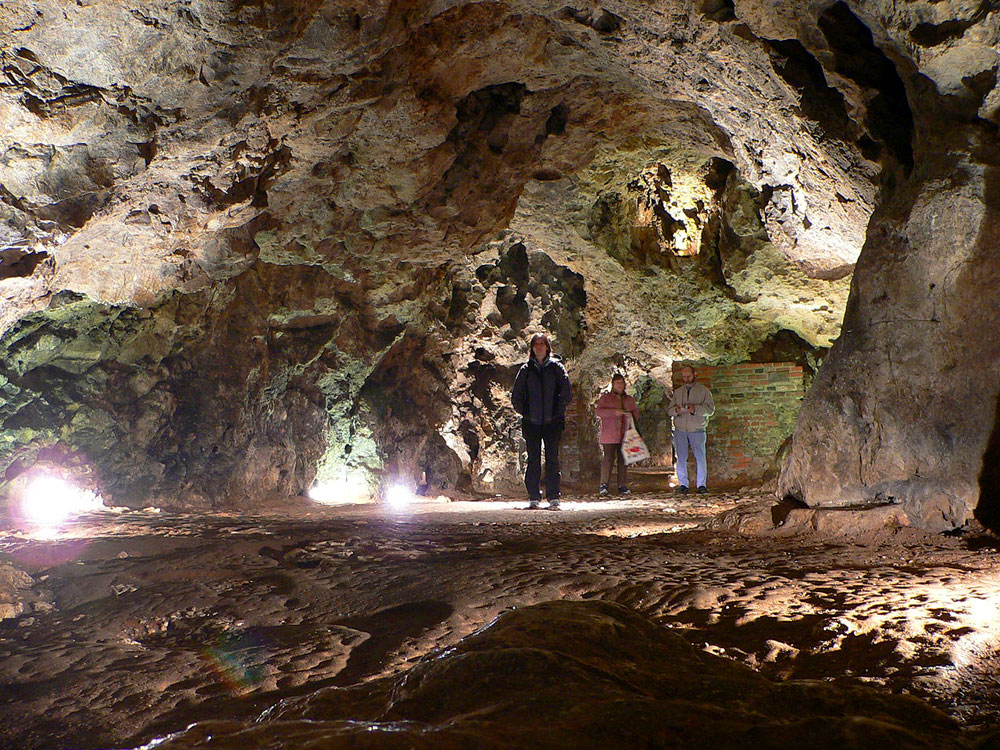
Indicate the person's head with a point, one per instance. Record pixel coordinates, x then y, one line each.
618 383
540 347
688 375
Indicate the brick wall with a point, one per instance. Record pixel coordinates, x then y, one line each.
576 448
756 405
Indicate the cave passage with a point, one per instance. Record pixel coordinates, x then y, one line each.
268 272
988 509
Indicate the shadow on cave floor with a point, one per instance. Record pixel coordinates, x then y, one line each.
988 510
129 625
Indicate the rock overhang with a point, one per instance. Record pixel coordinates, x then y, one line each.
376 153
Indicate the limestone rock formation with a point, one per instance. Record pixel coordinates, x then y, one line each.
587 675
905 405
246 246
15 591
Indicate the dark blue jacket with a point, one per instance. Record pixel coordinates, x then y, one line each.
541 394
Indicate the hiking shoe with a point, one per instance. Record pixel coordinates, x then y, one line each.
553 505
682 489
702 490
624 491
603 490
533 505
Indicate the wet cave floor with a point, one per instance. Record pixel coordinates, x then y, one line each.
144 622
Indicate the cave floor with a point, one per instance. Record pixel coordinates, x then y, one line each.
143 622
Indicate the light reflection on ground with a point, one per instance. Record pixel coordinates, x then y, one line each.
210 605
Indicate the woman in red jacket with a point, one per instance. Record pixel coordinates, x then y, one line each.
615 408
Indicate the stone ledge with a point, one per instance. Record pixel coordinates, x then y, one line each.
780 519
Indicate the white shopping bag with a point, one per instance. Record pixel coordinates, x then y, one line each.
633 447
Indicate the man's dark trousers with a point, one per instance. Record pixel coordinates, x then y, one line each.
534 436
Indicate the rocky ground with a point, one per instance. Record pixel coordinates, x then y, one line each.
130 626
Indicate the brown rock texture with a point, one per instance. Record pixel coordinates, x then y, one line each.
588 675
905 405
248 246
15 592
130 626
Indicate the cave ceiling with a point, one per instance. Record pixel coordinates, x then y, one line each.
244 241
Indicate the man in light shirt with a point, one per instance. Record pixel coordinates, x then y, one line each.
690 407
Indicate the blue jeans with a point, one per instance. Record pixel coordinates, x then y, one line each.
696 441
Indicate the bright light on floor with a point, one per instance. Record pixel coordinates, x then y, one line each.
603 506
977 608
340 492
49 501
399 496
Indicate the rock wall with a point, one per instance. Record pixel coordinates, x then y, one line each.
903 409
244 247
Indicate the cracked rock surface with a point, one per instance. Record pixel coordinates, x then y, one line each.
619 622
245 247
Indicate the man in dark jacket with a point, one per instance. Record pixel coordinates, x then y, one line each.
541 394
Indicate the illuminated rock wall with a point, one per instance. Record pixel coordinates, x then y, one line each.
243 247
903 410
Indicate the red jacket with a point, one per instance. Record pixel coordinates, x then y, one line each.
613 425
